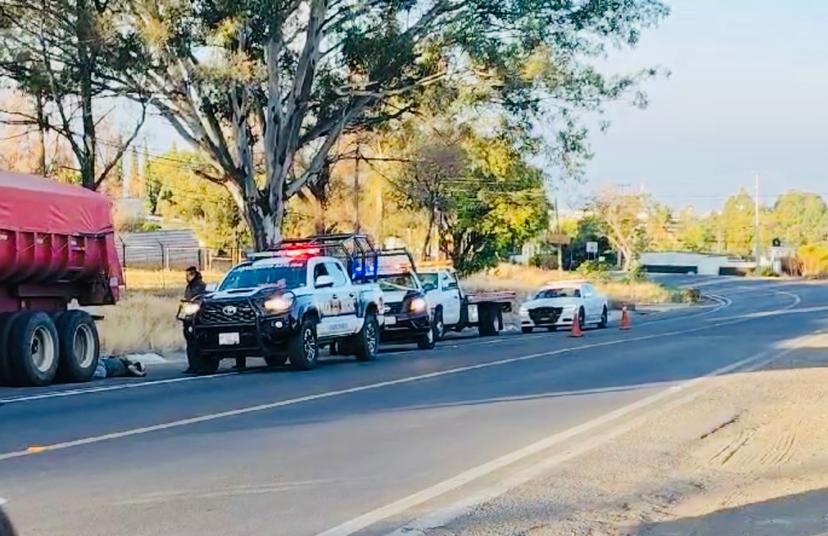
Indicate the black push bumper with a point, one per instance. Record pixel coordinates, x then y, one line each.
267 336
405 327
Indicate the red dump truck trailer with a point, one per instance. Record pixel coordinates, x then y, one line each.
57 250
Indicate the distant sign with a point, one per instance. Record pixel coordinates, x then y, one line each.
559 239
592 247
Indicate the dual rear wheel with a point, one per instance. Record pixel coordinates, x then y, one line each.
37 348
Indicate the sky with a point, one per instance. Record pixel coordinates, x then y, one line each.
747 94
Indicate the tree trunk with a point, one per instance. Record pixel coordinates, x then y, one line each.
427 245
262 219
41 136
85 21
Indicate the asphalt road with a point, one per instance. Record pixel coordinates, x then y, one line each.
361 447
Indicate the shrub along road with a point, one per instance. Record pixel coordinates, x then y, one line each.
361 446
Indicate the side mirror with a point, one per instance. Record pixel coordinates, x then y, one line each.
211 287
324 281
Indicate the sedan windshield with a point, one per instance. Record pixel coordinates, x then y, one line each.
548 293
286 276
394 282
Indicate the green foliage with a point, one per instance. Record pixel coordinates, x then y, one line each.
736 223
284 80
181 196
500 204
800 218
66 55
764 271
595 270
547 261
813 260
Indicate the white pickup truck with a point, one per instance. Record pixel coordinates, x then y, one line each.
454 309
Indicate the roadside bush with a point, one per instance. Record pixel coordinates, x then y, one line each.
595 270
813 260
764 271
547 261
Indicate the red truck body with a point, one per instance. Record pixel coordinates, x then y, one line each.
57 244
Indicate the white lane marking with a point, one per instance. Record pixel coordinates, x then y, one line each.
329 394
220 492
724 303
137 385
119 387
443 516
457 481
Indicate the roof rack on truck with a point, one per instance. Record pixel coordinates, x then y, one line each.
356 251
396 261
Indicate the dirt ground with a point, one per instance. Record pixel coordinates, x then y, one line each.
747 457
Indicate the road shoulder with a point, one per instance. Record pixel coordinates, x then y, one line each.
746 457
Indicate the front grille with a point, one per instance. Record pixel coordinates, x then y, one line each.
218 313
394 308
545 315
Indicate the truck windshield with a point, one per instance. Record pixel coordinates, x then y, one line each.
548 293
287 276
429 281
398 282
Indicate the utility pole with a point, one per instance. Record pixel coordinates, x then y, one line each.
356 186
558 232
756 247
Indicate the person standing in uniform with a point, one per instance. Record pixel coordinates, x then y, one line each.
195 287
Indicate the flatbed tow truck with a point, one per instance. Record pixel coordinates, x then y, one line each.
455 309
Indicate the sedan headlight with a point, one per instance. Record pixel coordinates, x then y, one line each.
524 310
190 309
279 304
418 305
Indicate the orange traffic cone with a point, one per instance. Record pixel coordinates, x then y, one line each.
626 324
576 328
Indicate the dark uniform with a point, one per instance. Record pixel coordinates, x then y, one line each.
195 288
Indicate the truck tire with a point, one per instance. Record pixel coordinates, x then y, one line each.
33 350
367 340
6 527
79 345
490 321
275 360
438 325
426 340
604 319
6 322
303 348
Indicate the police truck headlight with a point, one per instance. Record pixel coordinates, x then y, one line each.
279 304
189 309
418 305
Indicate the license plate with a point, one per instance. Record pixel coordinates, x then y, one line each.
472 313
390 320
228 339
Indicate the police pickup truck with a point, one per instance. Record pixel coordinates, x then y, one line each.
285 303
407 313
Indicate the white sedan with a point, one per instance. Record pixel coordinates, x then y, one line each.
559 304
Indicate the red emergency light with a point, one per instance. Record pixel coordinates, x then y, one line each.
301 252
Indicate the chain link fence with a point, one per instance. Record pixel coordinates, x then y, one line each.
157 260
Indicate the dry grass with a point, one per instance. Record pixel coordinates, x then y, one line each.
144 320
141 322
138 278
527 279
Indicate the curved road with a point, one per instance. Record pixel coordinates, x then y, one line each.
364 447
